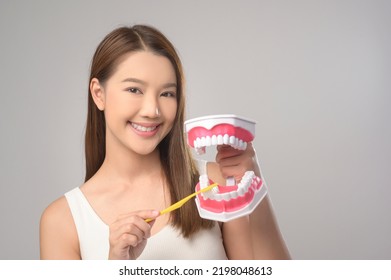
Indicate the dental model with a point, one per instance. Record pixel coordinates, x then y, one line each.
232 201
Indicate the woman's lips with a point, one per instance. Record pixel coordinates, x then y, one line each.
145 129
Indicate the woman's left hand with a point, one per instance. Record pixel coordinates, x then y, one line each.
234 163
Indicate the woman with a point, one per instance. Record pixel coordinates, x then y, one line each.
137 162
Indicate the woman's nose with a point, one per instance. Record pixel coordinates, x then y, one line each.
150 108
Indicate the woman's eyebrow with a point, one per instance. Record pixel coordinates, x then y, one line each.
170 85
135 80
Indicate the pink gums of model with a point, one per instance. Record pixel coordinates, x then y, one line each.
225 203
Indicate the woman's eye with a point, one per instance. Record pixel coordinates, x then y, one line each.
168 94
133 90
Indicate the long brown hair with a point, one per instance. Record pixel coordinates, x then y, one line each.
179 168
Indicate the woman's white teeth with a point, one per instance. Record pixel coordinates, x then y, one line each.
208 141
143 128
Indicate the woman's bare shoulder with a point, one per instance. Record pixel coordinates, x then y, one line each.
58 235
58 211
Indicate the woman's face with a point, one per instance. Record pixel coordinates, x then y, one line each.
139 102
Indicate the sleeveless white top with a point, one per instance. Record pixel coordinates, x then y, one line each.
168 243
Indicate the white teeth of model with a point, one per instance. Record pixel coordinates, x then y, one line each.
217 197
234 194
208 141
204 182
241 191
196 143
214 140
203 142
215 191
237 143
199 142
248 175
226 196
249 179
243 187
240 146
220 140
245 183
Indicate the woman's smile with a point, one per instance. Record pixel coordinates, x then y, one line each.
145 129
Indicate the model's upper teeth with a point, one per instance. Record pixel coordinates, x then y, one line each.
143 128
207 141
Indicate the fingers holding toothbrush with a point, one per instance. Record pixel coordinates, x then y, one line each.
129 233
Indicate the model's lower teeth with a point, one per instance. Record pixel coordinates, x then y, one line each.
247 181
143 128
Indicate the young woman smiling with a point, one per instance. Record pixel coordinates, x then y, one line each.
137 163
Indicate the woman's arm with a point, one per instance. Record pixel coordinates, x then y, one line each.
267 240
257 235
58 235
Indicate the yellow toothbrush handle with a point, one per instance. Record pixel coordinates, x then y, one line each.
183 201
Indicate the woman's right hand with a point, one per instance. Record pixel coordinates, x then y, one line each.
129 234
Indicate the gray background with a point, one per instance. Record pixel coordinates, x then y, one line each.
314 74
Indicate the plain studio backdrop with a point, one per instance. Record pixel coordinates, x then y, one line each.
315 75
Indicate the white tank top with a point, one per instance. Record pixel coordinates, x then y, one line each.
168 243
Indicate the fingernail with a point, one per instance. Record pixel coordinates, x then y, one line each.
155 212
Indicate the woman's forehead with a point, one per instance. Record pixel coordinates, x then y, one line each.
147 67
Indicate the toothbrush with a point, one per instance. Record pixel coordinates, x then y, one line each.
183 201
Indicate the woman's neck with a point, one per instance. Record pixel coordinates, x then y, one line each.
126 165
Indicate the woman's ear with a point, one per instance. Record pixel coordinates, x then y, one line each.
97 93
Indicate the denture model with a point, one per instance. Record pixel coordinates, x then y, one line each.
225 203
